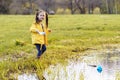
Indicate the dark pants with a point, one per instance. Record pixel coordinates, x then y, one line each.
41 49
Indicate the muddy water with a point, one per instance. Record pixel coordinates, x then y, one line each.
85 68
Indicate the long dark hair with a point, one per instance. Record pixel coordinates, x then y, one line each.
37 13
46 20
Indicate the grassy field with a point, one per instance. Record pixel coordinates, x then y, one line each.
71 35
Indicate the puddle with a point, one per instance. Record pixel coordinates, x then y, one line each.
28 77
86 69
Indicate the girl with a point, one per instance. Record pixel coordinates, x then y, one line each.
39 32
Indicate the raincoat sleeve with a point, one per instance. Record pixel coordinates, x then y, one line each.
33 28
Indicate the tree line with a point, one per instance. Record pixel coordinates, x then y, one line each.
60 6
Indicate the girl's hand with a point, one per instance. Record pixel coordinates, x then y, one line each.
49 30
42 33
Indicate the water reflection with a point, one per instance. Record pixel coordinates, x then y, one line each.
28 77
109 60
110 64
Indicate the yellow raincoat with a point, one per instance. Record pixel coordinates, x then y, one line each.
37 38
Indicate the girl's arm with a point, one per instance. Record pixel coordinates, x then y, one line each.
33 29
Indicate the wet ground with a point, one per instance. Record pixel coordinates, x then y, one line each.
84 68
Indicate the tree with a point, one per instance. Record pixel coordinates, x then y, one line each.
4 6
46 5
81 5
72 6
22 7
75 6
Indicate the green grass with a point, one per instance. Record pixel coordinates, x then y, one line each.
71 34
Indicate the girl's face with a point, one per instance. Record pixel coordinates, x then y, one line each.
41 16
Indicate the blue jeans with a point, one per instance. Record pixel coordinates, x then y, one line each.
40 49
